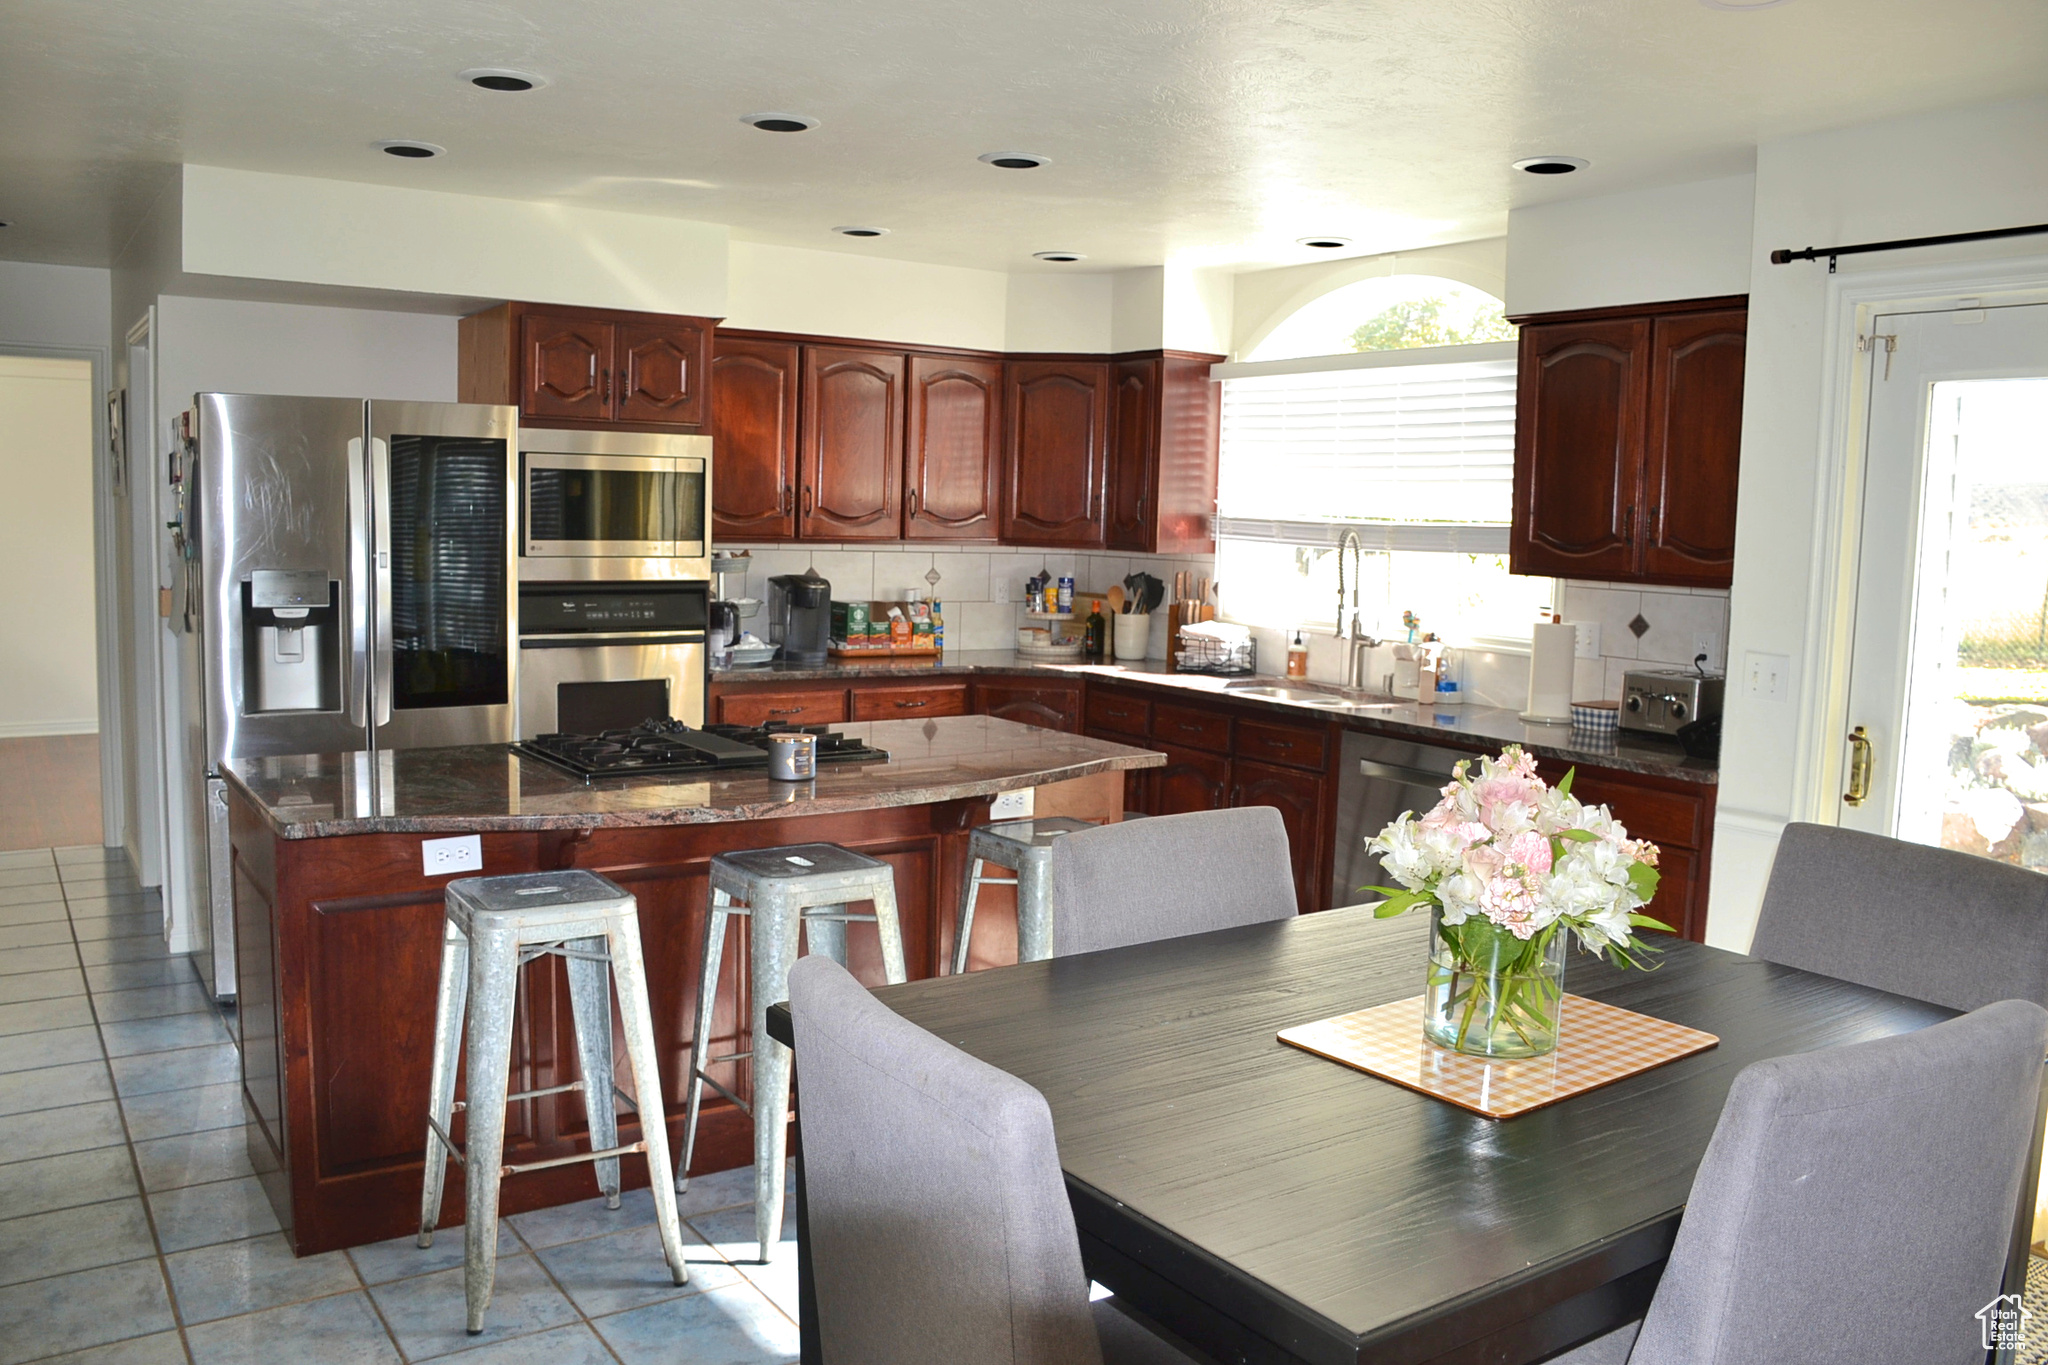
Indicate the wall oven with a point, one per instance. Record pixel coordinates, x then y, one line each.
597 656
613 505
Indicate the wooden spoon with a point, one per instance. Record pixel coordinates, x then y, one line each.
1116 598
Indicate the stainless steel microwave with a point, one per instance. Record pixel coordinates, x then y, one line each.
615 496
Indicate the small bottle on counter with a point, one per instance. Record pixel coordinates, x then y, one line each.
1297 655
1095 631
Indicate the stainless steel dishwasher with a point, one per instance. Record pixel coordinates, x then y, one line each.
1381 777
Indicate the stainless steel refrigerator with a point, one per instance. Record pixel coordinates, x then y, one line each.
351 589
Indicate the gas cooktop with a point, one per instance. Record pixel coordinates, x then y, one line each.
657 748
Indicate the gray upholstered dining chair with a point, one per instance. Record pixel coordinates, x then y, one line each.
1931 923
1855 1204
938 1222
1144 880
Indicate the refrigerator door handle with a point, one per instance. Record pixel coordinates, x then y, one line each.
357 596
380 521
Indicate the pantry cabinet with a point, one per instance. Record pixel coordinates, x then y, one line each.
588 367
1627 442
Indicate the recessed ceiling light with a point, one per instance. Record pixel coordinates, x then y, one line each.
781 123
1057 256
861 231
1014 161
1552 165
1326 243
502 79
417 151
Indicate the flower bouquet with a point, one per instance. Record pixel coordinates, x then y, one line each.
1507 863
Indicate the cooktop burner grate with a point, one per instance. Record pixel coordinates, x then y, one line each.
657 748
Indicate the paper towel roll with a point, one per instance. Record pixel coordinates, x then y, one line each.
1552 649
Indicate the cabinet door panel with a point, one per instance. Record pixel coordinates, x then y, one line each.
1050 706
1057 450
659 373
852 434
955 432
1298 797
1189 781
1133 456
753 439
565 367
1578 436
1694 443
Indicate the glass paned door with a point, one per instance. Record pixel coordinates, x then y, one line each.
1948 703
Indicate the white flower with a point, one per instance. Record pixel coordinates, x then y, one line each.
1558 811
1403 858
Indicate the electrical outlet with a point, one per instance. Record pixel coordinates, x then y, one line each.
1707 642
1016 805
1587 645
445 857
1766 676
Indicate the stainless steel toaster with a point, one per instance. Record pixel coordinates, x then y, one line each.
1663 702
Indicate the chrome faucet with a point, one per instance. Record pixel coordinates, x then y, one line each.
1361 643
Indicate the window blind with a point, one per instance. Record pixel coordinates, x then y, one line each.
1412 450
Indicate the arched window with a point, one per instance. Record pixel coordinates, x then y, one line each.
1390 313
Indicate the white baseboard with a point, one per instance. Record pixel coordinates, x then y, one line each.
29 729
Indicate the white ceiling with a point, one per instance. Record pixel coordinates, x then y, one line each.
1216 131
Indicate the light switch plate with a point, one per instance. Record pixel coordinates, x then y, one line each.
1587 645
1016 805
445 857
1768 677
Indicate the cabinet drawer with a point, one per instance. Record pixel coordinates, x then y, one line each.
1119 712
1297 748
820 707
1659 816
899 703
1196 729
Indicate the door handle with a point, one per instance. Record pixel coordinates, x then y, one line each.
356 600
787 495
910 501
380 522
605 397
807 500
1862 758
913 703
787 710
1628 526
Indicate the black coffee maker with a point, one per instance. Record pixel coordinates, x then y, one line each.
800 616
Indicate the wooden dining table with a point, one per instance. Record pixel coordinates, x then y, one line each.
1269 1205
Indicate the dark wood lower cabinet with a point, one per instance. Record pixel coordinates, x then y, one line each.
1050 704
1190 781
1300 797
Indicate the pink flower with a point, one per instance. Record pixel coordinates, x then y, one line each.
1532 852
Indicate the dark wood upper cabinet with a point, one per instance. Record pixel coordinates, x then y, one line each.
657 375
754 391
1056 451
1165 418
1627 437
564 364
851 437
588 367
1694 446
955 437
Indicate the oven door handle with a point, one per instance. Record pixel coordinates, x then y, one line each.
607 641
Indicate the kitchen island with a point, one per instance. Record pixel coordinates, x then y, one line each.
338 933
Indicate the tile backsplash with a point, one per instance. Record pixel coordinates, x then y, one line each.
981 588
1676 624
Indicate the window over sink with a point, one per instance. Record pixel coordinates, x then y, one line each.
1405 441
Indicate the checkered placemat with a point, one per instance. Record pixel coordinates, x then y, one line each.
1596 1045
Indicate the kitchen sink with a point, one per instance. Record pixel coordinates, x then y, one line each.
1325 699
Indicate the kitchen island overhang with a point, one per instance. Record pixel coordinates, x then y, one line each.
338 933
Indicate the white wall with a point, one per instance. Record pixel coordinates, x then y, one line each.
841 293
239 347
1677 242
49 681
327 232
1959 170
1051 312
52 305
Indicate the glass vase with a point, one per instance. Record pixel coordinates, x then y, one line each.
1490 994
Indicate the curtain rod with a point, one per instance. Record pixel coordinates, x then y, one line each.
1814 253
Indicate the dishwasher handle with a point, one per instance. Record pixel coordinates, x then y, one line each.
1394 772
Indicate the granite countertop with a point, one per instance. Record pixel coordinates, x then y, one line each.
1477 727
486 787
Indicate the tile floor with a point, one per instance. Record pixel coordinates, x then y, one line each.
133 1231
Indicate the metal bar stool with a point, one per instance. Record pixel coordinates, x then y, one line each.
1026 847
779 889
494 926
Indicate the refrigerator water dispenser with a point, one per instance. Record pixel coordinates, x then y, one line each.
289 641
